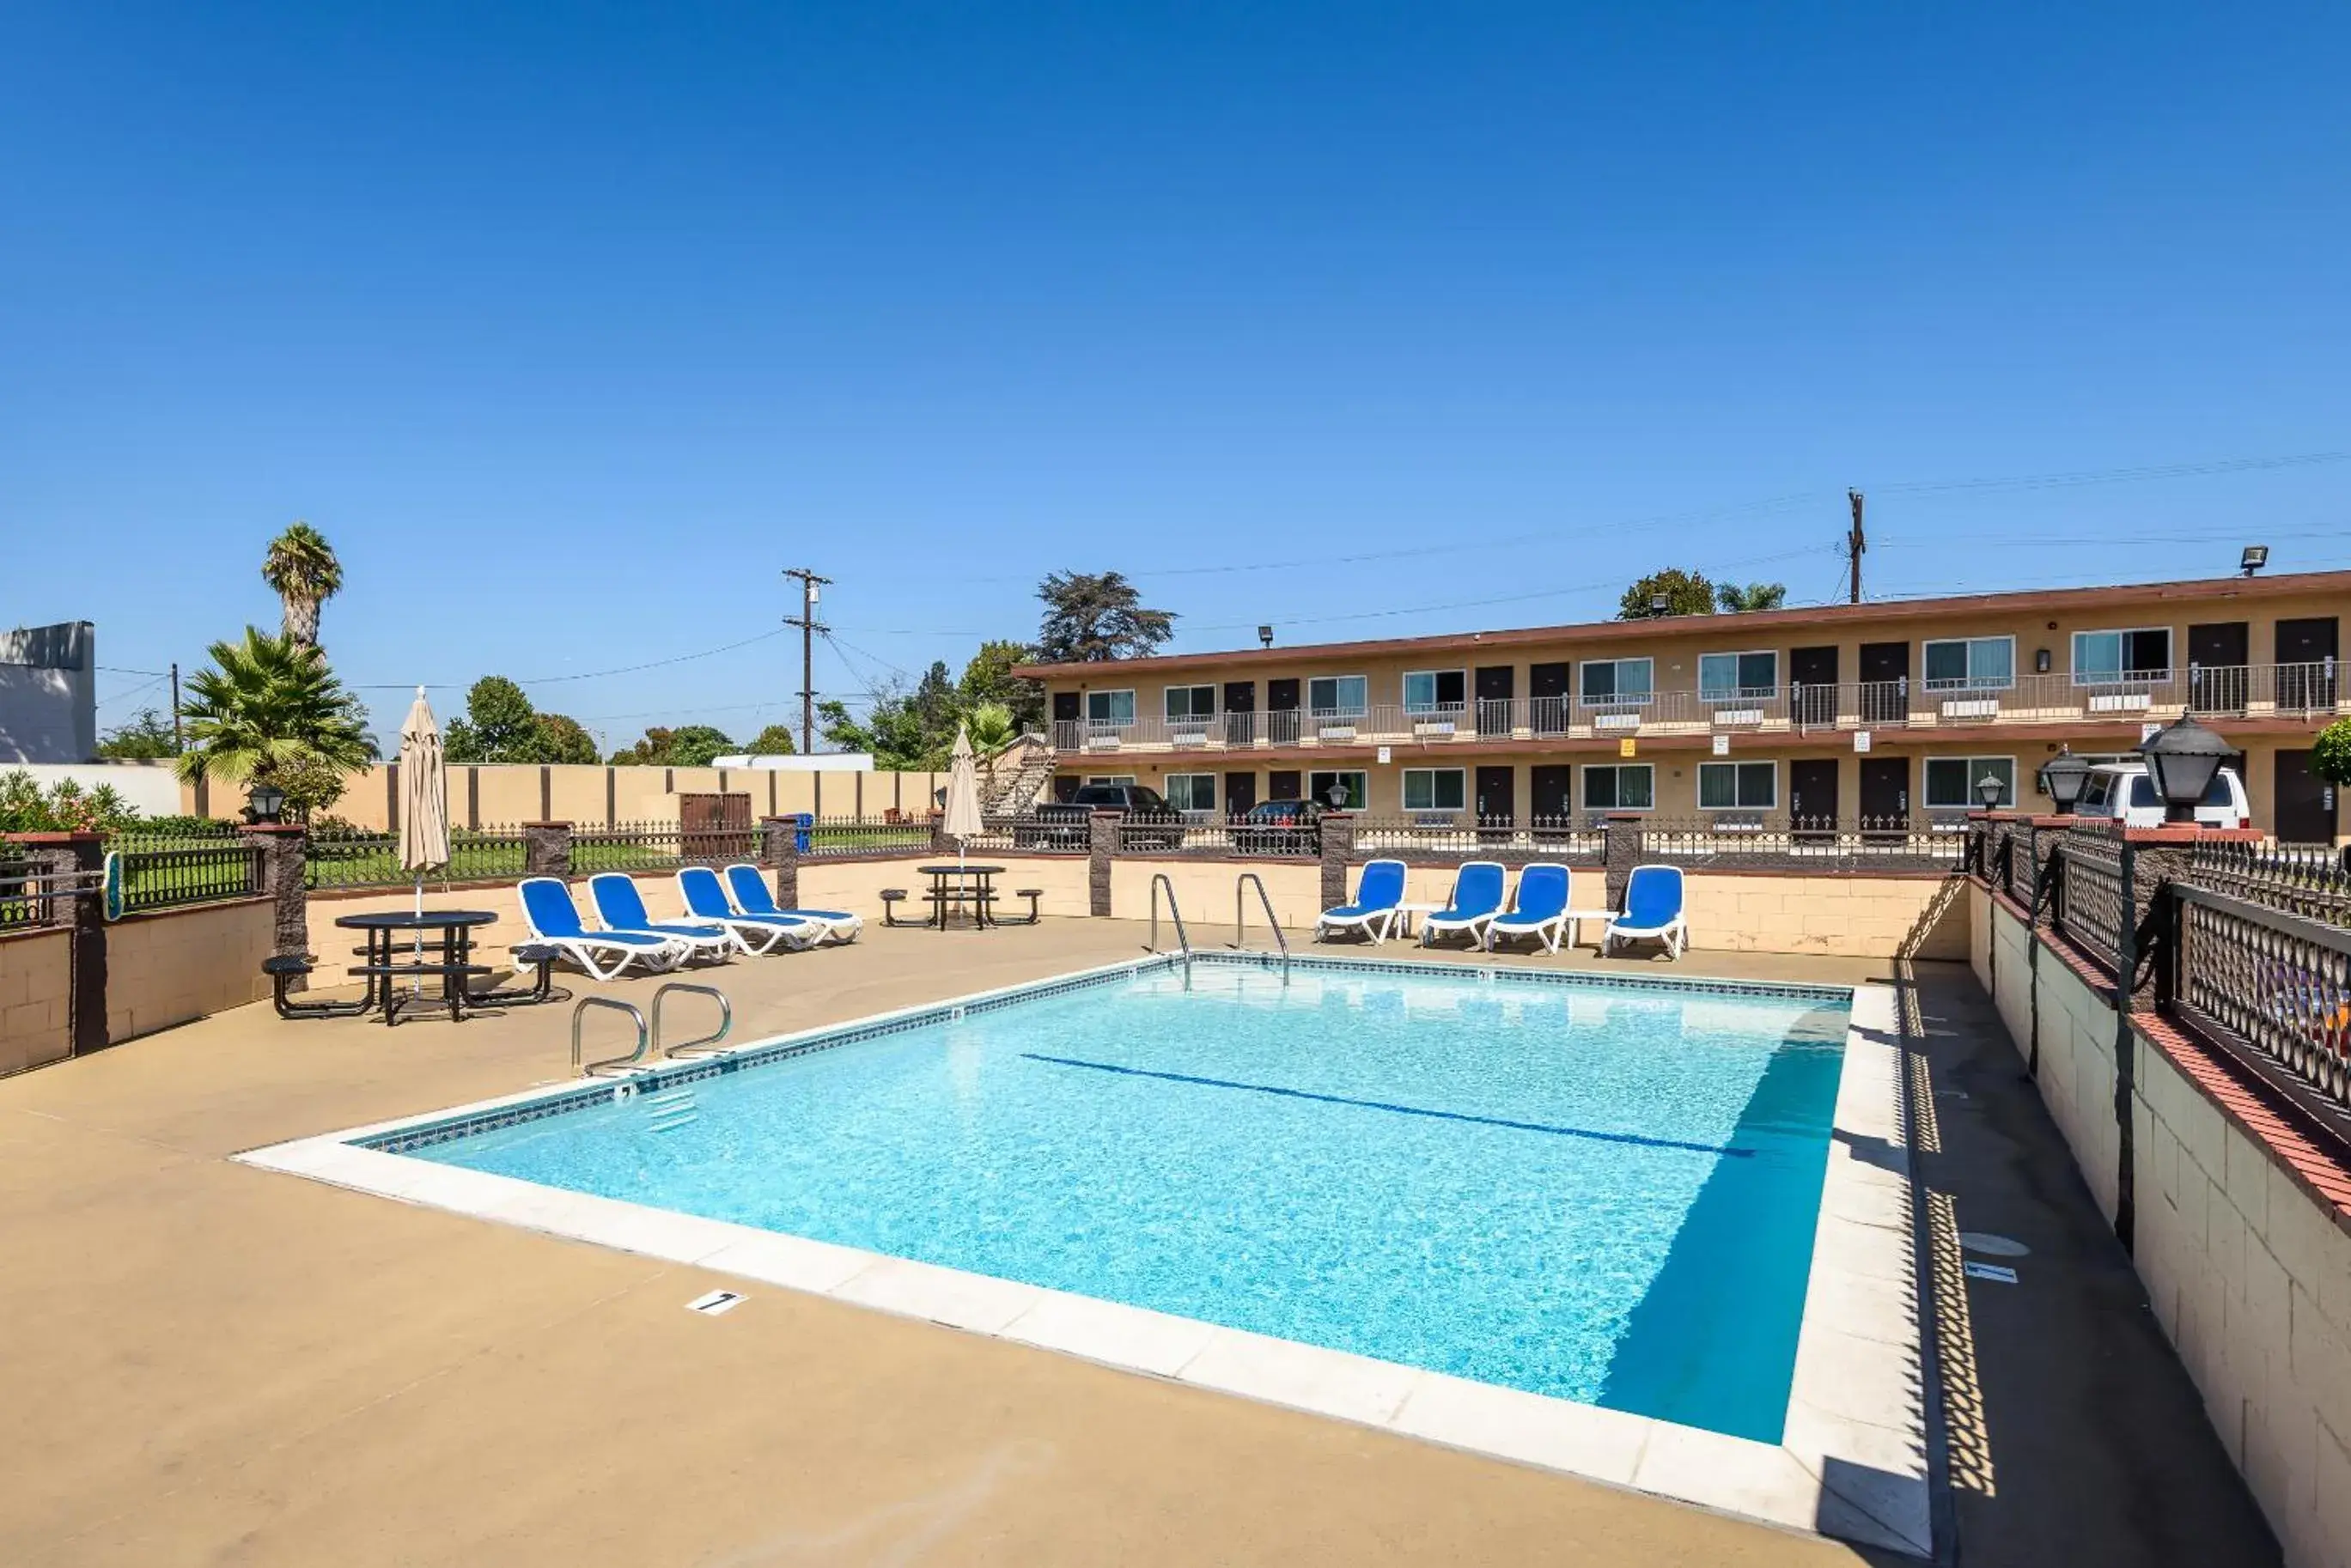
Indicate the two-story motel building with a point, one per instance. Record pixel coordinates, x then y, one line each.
1872 714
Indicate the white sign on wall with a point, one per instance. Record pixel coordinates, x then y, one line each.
1722 746
1383 757
1861 740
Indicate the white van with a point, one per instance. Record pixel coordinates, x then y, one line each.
2122 790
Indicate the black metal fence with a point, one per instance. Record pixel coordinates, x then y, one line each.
2091 900
1795 843
1506 839
344 858
21 903
1175 833
203 874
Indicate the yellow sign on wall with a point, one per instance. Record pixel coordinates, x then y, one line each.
1624 747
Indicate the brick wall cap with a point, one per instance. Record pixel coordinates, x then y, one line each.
53 837
273 829
2185 835
547 823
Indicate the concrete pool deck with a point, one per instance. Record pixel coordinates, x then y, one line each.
210 1363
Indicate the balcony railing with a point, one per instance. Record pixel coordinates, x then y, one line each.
2315 691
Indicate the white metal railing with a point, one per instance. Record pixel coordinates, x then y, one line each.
2317 690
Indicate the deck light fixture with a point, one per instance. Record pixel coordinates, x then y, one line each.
1658 602
1989 788
2182 758
1337 795
264 802
1265 637
2256 557
2062 778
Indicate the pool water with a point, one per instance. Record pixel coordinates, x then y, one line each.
1602 1193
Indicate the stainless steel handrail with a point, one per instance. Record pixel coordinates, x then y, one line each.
580 1015
1158 880
1242 909
726 1017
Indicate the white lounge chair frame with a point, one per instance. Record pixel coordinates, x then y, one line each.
1385 919
752 933
839 928
1550 930
719 943
658 957
1433 925
1674 933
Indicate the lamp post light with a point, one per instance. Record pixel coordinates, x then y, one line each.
1659 604
1337 795
1989 788
266 801
2181 758
2062 778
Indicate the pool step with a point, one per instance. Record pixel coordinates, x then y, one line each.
670 1110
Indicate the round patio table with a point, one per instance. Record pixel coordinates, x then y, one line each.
384 966
961 884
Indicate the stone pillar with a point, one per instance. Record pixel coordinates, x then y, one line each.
547 849
82 855
1623 852
780 851
1338 852
284 845
1101 843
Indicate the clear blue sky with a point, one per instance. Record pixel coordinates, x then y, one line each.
571 326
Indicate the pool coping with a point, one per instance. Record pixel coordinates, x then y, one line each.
1852 1461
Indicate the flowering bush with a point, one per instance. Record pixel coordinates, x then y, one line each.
65 808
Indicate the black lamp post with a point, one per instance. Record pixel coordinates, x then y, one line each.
2062 778
1989 788
1337 795
266 801
2181 758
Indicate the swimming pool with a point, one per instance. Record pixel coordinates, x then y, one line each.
1654 1232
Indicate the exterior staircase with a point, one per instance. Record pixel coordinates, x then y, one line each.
1017 777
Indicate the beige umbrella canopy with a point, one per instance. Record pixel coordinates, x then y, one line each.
424 793
962 822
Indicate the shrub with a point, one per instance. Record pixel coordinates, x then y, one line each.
2330 754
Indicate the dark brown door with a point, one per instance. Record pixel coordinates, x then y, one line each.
1285 784
1549 786
2304 809
1885 794
1547 699
1497 684
1884 677
1240 713
1282 717
1065 712
1065 787
1498 801
2306 652
2217 656
1240 793
1812 793
1812 675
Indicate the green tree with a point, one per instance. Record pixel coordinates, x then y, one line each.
1735 600
695 745
891 731
989 678
1687 593
653 750
775 741
270 711
65 808
1091 617
2330 754
147 736
499 726
302 570
562 740
992 729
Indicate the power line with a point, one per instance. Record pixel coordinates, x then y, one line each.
807 621
584 674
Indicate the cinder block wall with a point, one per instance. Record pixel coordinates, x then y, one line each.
35 998
2241 1237
175 965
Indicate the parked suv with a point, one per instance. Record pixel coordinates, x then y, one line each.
1280 827
1140 801
2124 792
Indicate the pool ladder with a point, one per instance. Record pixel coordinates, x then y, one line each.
648 1037
1240 914
1158 880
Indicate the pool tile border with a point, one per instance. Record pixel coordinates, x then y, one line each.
1852 1461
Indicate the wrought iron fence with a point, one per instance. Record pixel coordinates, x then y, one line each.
357 857
835 835
2263 978
21 900
1206 833
659 846
165 878
1480 839
2094 904
1734 841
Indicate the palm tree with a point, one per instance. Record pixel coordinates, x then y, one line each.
302 568
1735 600
270 711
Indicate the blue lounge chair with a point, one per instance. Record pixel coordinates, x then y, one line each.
705 896
1541 909
553 920
748 889
1375 908
1478 892
620 907
1653 911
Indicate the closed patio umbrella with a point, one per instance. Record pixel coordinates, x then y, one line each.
962 822
423 795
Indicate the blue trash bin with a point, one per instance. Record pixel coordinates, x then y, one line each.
803 820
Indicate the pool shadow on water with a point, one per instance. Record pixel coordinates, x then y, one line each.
1713 1341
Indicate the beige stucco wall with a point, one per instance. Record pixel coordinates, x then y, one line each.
1204 891
2247 1269
175 965
35 1000
1853 916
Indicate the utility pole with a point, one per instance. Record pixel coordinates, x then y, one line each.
179 740
806 621
1854 543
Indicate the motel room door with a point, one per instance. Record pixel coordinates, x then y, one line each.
1281 714
1496 685
1240 713
1885 794
1814 671
1549 783
1812 794
2302 804
2217 655
1065 712
1884 666
1240 793
2307 654
1497 797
